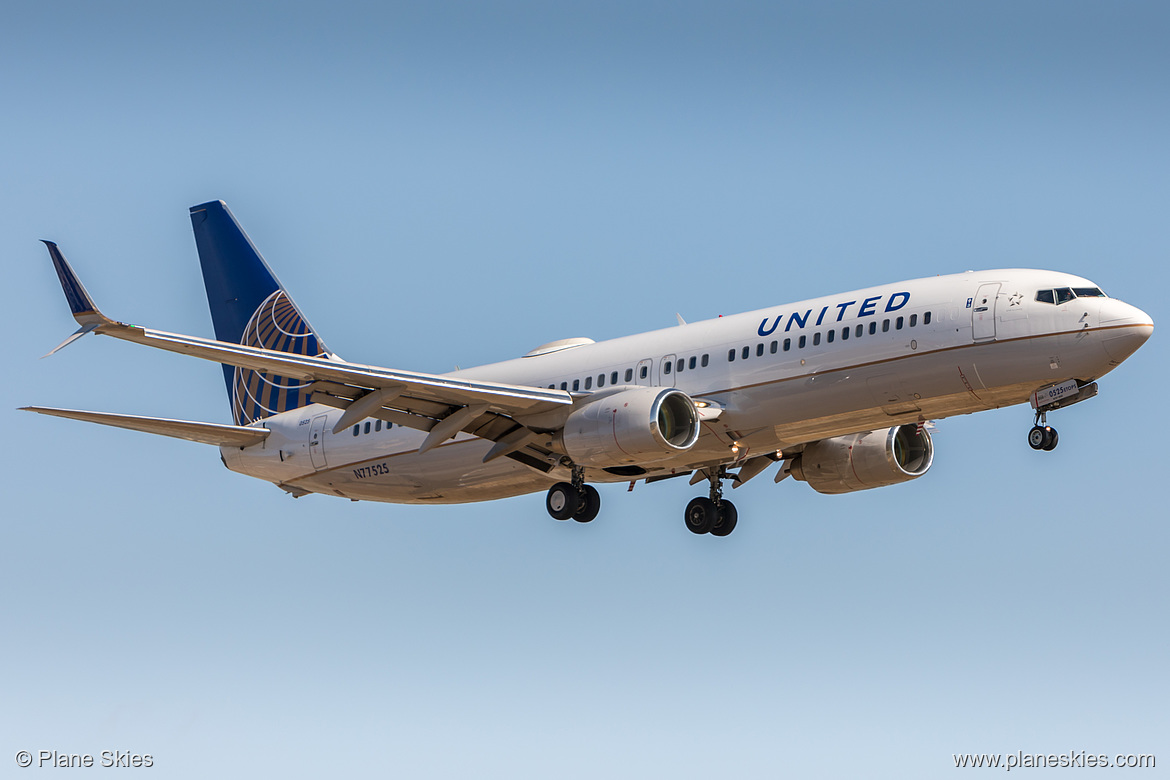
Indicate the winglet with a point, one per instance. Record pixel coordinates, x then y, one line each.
80 304
83 308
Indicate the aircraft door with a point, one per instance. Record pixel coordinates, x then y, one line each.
317 441
644 373
666 371
983 312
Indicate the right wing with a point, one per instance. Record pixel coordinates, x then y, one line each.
205 433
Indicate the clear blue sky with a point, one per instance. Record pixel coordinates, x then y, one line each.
455 184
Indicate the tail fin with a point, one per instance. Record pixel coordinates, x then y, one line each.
249 306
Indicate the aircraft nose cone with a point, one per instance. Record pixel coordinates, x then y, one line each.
1114 312
1131 327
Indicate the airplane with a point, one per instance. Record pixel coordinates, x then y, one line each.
839 391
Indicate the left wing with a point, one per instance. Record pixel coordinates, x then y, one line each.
442 405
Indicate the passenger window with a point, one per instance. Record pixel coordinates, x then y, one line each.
703 362
629 375
860 331
645 370
613 378
760 349
576 385
774 346
898 326
377 426
746 352
564 385
913 320
885 326
844 333
601 380
681 364
692 362
926 318
873 328
356 429
787 344
1064 294
816 338
803 340
366 428
832 334
666 366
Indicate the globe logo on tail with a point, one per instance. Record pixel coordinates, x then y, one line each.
277 325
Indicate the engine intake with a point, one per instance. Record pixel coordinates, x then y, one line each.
861 461
634 426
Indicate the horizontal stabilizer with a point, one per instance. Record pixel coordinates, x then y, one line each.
204 433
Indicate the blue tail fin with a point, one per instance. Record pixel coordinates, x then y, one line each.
249 306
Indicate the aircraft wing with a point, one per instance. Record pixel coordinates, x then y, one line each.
205 433
442 405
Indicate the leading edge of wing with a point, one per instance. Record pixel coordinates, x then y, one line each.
513 399
204 433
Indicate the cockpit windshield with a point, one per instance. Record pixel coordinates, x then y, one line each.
1060 295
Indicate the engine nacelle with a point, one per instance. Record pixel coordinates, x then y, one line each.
862 461
629 427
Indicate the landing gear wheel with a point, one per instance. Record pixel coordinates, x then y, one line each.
725 520
1043 437
701 515
562 501
589 504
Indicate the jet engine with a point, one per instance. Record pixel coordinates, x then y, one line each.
634 426
867 460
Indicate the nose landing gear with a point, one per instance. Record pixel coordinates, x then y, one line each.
1042 436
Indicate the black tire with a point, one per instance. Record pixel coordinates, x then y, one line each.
725 520
700 515
1051 438
589 505
1037 438
562 501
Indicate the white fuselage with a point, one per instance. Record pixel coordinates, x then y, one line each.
784 376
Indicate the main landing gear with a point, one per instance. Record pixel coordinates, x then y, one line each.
1042 436
714 515
705 515
573 499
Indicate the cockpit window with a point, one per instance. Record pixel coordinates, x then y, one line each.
1066 294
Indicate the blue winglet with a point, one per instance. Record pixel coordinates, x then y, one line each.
84 310
82 306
